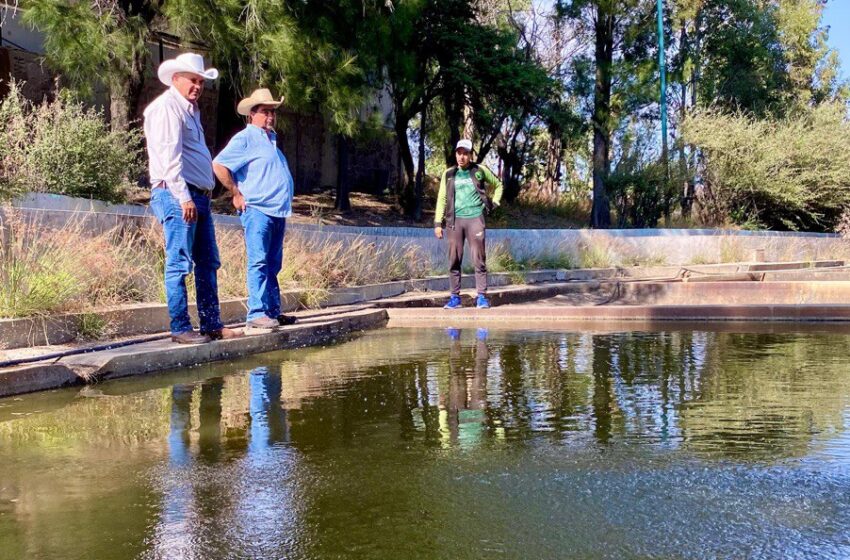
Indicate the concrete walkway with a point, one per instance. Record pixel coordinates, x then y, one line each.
163 354
547 312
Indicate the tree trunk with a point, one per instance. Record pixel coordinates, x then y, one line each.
468 122
512 167
124 100
453 106
552 177
342 201
420 171
119 107
600 216
687 184
406 191
295 159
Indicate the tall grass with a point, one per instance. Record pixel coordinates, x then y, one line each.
45 269
48 269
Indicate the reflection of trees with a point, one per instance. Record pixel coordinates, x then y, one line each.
209 413
768 396
603 401
652 374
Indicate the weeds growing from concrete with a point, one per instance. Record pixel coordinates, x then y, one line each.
594 256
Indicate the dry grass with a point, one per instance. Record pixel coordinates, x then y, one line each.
46 269
316 265
731 251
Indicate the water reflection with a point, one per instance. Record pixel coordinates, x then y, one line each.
268 418
209 426
358 446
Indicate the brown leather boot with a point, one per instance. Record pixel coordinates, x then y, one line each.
224 334
190 337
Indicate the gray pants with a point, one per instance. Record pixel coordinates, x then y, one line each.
472 230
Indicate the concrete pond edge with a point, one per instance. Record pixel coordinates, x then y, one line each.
138 319
162 355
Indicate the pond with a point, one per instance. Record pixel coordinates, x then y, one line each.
448 443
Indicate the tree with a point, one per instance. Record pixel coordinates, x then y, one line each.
101 41
766 59
621 67
319 55
788 172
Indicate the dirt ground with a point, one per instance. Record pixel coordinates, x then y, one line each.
376 211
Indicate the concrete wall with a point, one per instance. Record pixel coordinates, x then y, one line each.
620 247
623 247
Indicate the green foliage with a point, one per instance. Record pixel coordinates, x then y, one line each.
91 326
592 255
638 185
65 148
316 54
90 42
790 173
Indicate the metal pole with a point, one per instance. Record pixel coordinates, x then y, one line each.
662 66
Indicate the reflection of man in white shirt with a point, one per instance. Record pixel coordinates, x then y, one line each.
182 182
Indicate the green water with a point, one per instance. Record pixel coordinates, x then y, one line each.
427 443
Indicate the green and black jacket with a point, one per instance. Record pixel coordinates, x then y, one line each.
481 177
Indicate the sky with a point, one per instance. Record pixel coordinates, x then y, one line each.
837 17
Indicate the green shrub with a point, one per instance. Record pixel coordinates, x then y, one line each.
91 326
62 147
791 173
592 255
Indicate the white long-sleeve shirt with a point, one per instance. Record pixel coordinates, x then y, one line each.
177 153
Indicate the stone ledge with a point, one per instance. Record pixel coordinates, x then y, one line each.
139 319
146 318
503 296
636 313
164 354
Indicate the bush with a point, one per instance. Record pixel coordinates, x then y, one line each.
792 173
65 148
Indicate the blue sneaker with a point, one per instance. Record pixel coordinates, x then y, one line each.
482 302
453 333
482 334
454 303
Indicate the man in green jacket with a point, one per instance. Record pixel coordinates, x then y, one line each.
461 204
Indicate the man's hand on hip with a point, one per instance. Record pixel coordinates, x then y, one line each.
190 211
239 201
438 231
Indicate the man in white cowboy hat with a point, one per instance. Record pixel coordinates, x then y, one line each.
256 173
461 203
181 177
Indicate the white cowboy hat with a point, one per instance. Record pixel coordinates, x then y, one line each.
258 97
186 62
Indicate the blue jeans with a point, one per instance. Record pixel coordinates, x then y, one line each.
187 244
264 245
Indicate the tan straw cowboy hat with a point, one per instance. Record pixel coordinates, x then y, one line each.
258 97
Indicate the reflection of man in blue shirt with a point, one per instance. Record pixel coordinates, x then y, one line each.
256 173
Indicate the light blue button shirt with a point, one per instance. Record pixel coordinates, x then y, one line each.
260 171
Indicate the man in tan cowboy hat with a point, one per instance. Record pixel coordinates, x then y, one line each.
181 177
255 171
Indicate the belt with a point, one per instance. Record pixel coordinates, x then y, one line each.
198 190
